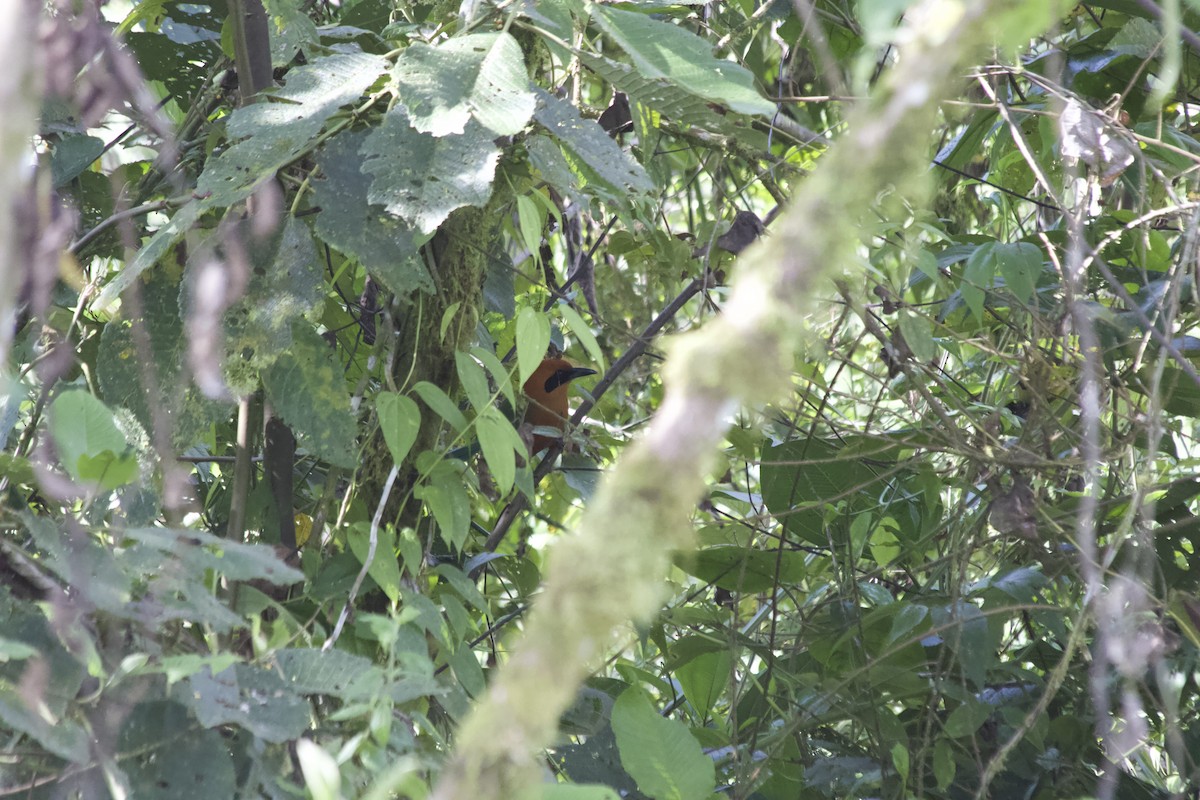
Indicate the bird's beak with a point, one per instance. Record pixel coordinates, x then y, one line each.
563 377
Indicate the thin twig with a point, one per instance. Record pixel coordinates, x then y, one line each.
158 205
373 542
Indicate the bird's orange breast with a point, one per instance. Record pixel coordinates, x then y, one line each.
547 390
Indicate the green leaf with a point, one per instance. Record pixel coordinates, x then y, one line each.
860 529
286 285
12 650
879 18
199 552
801 476
275 133
500 444
968 145
71 156
885 547
64 738
1179 393
445 494
918 334
900 761
480 76
907 618
197 765
662 50
108 469
309 670
90 445
441 404
944 765
321 774
176 668
588 142
463 585
583 332
249 697
666 98
466 668
574 791
291 30
660 754
16 469
704 679
307 388
474 381
384 568
421 178
741 569
530 221
966 719
977 278
400 421
533 337
447 318
385 246
500 375
1020 264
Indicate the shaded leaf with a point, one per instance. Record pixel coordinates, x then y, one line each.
383 244
587 141
247 696
661 754
191 767
661 50
90 445
400 421
421 178
306 387
277 130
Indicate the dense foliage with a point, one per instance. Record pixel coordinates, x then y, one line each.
269 516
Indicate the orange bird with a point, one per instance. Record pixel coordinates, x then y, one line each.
547 392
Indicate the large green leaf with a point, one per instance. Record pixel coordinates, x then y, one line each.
400 421
421 178
123 373
667 98
1020 265
383 569
1179 393
163 765
801 477
90 445
662 50
155 248
249 697
661 754
480 75
383 244
286 285
742 569
334 672
275 133
307 388
587 141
